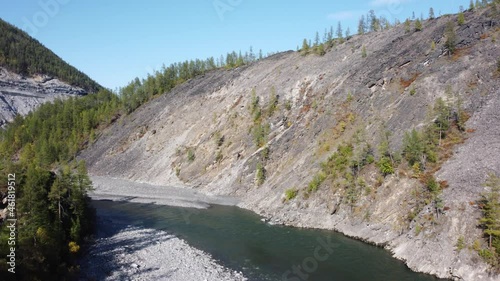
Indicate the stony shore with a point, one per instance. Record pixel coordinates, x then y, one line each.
124 252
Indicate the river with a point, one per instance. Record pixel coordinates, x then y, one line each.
239 240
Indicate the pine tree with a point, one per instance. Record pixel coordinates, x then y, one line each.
305 46
374 22
407 26
461 18
451 38
361 25
340 33
413 147
471 5
418 25
431 13
491 211
316 39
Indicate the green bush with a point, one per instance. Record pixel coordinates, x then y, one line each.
385 166
433 185
316 181
254 102
260 174
461 18
460 243
260 133
363 52
190 155
290 194
219 156
265 153
219 139
418 25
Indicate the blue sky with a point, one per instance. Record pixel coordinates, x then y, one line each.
114 41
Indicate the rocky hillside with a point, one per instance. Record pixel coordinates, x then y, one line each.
277 134
20 95
31 74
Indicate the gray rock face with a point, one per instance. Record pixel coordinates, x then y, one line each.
323 102
20 95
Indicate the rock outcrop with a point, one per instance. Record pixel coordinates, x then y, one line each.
20 95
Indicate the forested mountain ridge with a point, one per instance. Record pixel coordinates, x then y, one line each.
31 75
389 136
22 54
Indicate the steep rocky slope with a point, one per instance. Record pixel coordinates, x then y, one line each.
20 95
202 135
31 74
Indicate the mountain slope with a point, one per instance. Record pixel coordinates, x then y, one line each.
268 133
30 74
22 54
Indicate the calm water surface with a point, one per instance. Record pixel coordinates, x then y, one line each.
239 240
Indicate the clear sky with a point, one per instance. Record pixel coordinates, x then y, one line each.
114 41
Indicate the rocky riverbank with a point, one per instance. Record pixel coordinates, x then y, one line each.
123 252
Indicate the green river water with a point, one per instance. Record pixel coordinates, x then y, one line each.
239 240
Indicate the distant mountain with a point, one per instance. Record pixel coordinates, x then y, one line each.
31 74
24 55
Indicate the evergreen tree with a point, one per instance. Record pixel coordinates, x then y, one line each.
374 22
340 33
407 26
451 37
361 25
418 25
491 212
461 18
431 13
305 46
413 147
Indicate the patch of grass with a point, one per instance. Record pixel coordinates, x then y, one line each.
219 139
316 181
460 243
413 91
273 102
418 229
190 155
260 174
290 194
219 156
264 154
260 133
